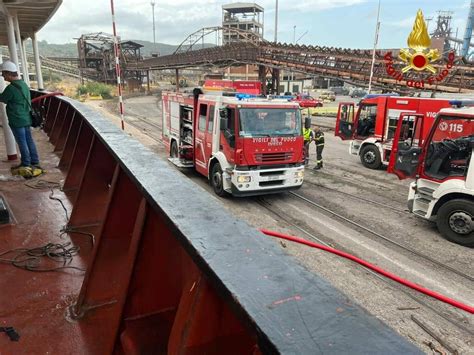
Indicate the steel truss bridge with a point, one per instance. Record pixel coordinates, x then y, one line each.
349 65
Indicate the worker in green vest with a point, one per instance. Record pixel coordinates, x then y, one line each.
308 138
17 98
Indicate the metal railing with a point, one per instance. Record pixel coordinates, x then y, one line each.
172 272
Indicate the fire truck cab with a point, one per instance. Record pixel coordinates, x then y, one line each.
244 145
372 127
444 187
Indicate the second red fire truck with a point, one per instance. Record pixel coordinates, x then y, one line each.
244 145
371 129
442 164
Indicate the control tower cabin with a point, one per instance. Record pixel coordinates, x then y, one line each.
241 16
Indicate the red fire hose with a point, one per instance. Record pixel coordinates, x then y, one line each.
368 265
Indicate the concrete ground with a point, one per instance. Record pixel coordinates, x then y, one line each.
374 200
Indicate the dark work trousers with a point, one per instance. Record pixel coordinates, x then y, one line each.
306 152
319 155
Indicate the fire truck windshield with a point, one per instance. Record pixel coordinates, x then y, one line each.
450 147
269 122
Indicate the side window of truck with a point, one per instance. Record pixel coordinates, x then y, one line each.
366 124
202 117
229 132
347 113
210 125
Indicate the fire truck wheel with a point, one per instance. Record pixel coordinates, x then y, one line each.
217 181
174 150
370 157
455 221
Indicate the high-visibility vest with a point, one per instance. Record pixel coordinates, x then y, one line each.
307 134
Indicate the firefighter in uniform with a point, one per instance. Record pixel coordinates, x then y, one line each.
308 138
319 140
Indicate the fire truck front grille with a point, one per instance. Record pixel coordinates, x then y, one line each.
272 157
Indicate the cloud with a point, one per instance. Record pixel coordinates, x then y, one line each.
458 22
316 5
174 19
347 23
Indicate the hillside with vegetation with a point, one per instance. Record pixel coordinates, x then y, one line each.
70 49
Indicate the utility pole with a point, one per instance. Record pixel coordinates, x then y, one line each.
377 27
428 20
276 21
291 71
118 71
153 12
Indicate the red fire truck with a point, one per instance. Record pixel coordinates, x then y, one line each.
241 86
444 187
372 128
243 145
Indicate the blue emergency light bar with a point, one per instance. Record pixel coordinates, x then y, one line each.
242 96
245 96
283 97
461 103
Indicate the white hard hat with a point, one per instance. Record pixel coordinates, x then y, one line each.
9 66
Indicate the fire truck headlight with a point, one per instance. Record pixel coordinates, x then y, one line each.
243 179
299 174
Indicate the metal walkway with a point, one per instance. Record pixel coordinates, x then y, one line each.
346 64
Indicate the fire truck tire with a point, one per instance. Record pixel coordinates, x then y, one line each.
370 157
217 180
174 150
455 221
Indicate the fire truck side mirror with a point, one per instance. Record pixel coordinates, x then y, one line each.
223 113
307 122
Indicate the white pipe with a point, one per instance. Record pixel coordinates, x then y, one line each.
11 39
39 73
25 56
7 132
20 48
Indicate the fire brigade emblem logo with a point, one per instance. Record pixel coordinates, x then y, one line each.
419 57
443 126
417 70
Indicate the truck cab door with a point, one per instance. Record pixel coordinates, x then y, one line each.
200 139
407 146
208 148
345 121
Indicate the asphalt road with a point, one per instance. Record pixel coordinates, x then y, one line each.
386 234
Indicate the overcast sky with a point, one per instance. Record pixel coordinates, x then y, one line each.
338 23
